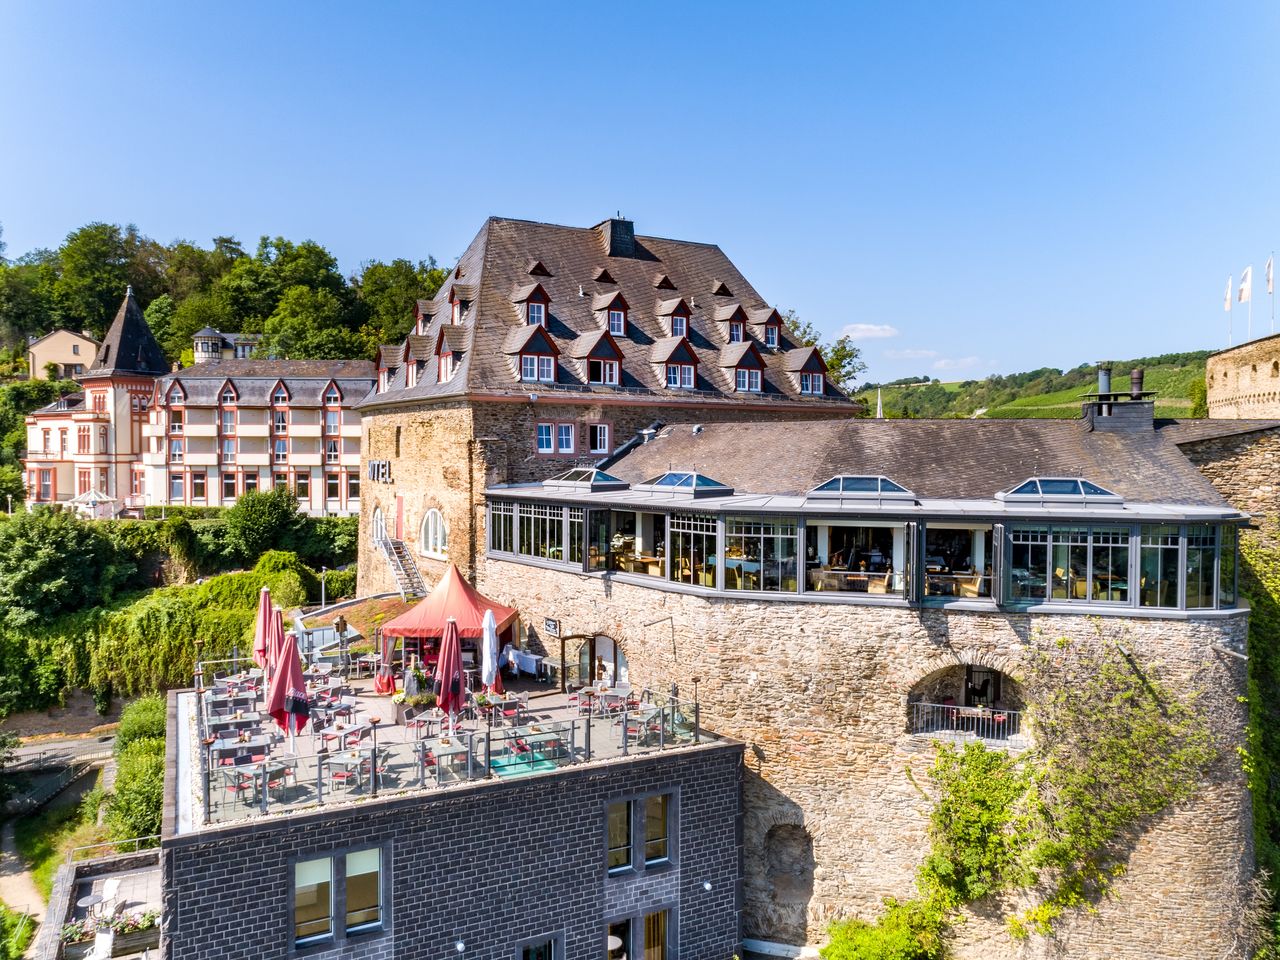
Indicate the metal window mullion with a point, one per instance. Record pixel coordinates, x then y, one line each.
1182 566
721 544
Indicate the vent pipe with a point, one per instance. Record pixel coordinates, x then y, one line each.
1135 384
1104 377
647 434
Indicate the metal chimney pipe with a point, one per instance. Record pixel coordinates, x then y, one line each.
1104 378
1135 384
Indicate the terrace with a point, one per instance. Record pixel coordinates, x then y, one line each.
359 744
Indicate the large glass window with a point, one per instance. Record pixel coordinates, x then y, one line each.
957 561
364 889
1202 548
502 525
1227 568
693 549
1157 583
1110 564
627 541
312 900
760 554
542 531
228 486
856 558
1070 563
619 857
1028 564
543 949
657 829
576 517
175 487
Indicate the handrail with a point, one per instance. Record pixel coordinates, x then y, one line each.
994 724
111 845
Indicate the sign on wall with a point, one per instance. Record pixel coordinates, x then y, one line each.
551 627
380 471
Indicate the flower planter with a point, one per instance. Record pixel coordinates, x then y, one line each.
127 944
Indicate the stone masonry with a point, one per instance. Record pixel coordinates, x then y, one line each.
818 691
1244 382
489 864
1245 468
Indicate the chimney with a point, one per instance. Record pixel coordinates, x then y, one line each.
647 434
619 237
176 367
1104 377
1135 384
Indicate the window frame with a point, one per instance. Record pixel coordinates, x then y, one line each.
433 535
541 309
339 933
817 385
572 429
556 941
746 380
592 445
679 325
608 376
620 329
638 861
771 335
550 448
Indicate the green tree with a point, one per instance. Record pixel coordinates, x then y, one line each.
262 520
159 317
389 291
51 562
95 264
137 801
309 324
843 359
198 311
1199 399
25 306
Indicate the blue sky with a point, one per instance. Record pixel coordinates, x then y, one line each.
969 188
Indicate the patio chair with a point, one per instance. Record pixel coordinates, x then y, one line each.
110 893
343 777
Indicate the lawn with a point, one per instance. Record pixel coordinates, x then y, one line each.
16 931
44 839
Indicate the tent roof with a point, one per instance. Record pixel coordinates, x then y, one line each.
452 597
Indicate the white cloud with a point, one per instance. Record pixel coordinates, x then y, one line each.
954 363
868 331
910 354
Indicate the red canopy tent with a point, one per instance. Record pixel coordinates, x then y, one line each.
451 599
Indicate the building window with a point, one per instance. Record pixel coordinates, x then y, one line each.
656 828
228 421
175 488
537 314
545 443
433 539
735 332
353 485
84 480
541 531
542 948
598 437
175 421
448 367
332 397
228 451
502 526
679 325
655 935
281 451
280 421
175 450
136 483
102 441
331 422
281 481
455 315
566 437
363 888
617 322
332 486
75 349
1202 547
537 367
619 932
228 486
280 396
46 485
812 383
760 554
680 376
242 350
302 486
82 439
197 486
228 396
619 855
251 481
771 335
747 381
603 372
331 451
312 900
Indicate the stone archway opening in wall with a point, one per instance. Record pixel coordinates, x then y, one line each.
968 701
600 657
789 863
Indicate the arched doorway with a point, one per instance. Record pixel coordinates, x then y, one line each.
968 700
378 528
601 658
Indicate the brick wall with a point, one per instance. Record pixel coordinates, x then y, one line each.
818 692
490 864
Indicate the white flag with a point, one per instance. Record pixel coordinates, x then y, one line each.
1244 293
1271 270
1226 298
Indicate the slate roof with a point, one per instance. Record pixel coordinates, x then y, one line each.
497 263
935 459
254 380
128 347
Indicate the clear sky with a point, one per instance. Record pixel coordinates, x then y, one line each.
970 188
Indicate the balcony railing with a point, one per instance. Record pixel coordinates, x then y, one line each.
951 721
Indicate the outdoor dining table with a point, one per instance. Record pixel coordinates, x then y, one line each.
343 730
349 760
244 721
445 750
260 744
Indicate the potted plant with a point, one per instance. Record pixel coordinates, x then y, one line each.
412 704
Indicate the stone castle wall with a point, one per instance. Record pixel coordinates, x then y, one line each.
1246 470
446 454
818 692
1244 382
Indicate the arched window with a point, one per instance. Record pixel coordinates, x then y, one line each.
433 540
379 526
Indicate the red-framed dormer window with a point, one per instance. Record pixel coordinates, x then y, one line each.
617 322
603 372
537 368
680 376
746 380
771 335
679 324
735 332
333 396
448 367
535 313
813 384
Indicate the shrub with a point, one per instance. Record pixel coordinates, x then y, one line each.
327 541
339 583
910 930
136 805
261 520
143 718
186 513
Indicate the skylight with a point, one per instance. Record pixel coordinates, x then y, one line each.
861 486
586 478
687 483
1059 488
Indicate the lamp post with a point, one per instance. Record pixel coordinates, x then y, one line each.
199 642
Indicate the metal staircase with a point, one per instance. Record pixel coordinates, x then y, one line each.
408 578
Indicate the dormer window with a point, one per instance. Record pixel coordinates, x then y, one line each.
618 322
420 327
281 395
448 367
680 375
536 314
735 332
537 368
604 372
228 396
812 383
771 335
332 397
747 381
455 315
679 325
175 395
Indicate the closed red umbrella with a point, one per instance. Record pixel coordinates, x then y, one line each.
451 693
261 626
287 700
275 638
384 681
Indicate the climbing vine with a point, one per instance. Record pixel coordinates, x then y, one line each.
1115 746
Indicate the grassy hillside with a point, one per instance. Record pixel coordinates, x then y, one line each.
1046 392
